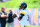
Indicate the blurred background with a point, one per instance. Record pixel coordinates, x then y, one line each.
33 7
16 3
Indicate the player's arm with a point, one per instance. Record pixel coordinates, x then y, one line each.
20 17
22 13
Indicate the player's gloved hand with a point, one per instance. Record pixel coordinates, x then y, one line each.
15 15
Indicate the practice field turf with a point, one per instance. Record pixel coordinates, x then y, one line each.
34 26
30 26
16 3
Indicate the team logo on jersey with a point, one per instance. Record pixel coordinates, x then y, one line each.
2 13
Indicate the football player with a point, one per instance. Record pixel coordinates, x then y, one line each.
23 15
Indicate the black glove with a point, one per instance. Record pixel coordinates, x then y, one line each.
14 16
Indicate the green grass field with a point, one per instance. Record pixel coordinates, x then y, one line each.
34 26
16 3
30 26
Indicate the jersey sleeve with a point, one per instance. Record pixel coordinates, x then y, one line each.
22 12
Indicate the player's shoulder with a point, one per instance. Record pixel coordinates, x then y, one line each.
22 12
1 12
26 11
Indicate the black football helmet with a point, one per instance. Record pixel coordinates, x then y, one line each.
23 5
